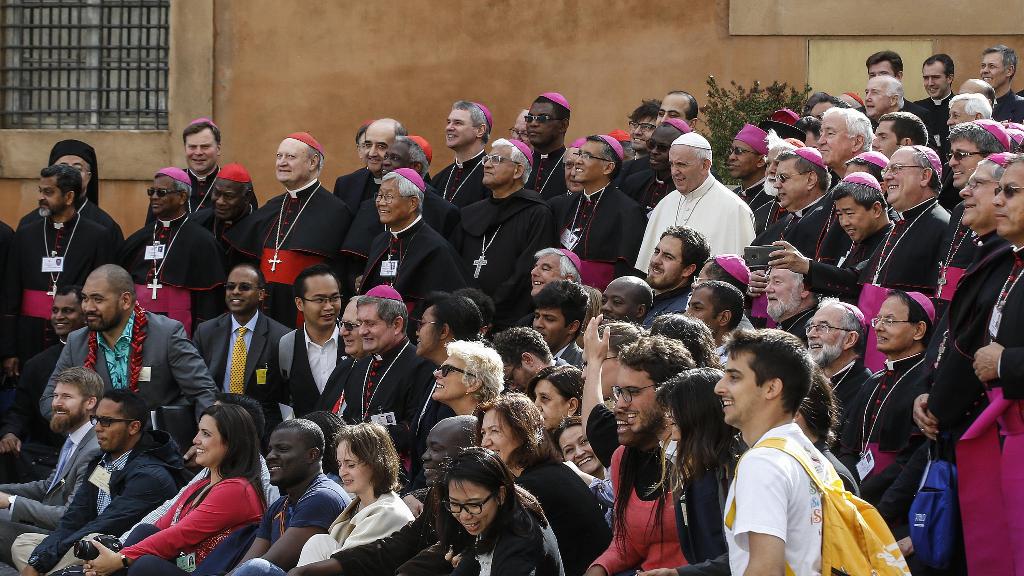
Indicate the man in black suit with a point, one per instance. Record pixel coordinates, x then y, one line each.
238 344
363 184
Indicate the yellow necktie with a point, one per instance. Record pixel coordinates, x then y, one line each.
237 384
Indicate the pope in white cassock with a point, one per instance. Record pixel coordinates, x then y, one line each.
700 202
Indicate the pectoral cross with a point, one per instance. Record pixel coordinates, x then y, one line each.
942 279
479 263
274 262
53 290
154 286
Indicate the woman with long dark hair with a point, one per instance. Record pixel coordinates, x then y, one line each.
703 463
558 392
513 536
228 445
513 427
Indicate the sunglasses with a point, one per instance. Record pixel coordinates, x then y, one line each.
159 192
539 118
445 369
241 287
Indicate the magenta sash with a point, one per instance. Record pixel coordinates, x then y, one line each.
36 304
759 309
597 274
869 302
174 302
952 278
991 487
882 459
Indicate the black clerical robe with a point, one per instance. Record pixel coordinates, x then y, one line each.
188 277
844 278
767 214
425 262
1009 334
439 214
82 245
1010 107
548 174
797 323
463 184
647 188
355 187
807 230
881 420
959 244
206 218
607 228
90 211
909 257
202 193
919 111
957 396
631 167
503 235
289 233
938 131
392 387
755 196
846 386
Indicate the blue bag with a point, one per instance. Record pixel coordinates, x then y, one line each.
934 514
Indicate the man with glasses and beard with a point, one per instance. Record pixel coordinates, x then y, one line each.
835 339
38 506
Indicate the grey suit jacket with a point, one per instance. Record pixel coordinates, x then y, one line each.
177 374
40 507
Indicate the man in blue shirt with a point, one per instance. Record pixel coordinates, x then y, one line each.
310 503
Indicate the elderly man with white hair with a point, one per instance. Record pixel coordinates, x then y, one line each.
498 236
884 94
409 255
769 212
700 202
968 107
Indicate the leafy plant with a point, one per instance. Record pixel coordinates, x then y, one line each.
727 109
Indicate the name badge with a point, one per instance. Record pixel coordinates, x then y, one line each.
145 373
261 376
385 419
155 252
866 464
186 562
53 264
389 268
569 239
100 478
995 321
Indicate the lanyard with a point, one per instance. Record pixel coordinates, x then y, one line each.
866 434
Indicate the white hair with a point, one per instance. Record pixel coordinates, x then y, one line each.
856 124
974 104
892 86
483 364
517 156
406 188
775 142
566 268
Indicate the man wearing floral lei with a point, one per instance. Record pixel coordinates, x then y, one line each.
132 348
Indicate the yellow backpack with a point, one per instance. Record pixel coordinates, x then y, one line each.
855 541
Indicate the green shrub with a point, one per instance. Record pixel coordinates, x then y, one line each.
727 109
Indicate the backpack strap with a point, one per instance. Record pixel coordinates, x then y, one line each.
286 353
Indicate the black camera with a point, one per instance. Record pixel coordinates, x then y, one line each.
86 550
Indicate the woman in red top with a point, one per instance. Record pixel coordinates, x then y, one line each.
207 512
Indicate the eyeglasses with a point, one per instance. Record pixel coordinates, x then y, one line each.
322 300
517 134
740 151
896 168
349 326
652 145
497 159
888 322
645 126
385 199
781 177
471 508
627 394
960 155
1008 191
241 286
823 327
540 118
588 156
445 369
106 421
420 322
973 183
159 192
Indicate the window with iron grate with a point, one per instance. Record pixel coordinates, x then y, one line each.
84 64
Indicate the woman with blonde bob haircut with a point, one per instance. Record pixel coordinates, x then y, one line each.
472 374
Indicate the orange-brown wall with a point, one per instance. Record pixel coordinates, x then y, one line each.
325 67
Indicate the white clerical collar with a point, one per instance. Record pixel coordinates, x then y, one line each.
800 213
377 181
940 100
395 233
473 157
295 193
202 179
57 225
167 223
698 192
594 193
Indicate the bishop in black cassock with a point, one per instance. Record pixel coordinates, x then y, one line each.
546 125
602 225
232 202
466 131
500 235
362 184
176 264
302 227
57 250
410 256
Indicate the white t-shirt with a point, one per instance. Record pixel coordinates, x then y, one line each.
775 496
